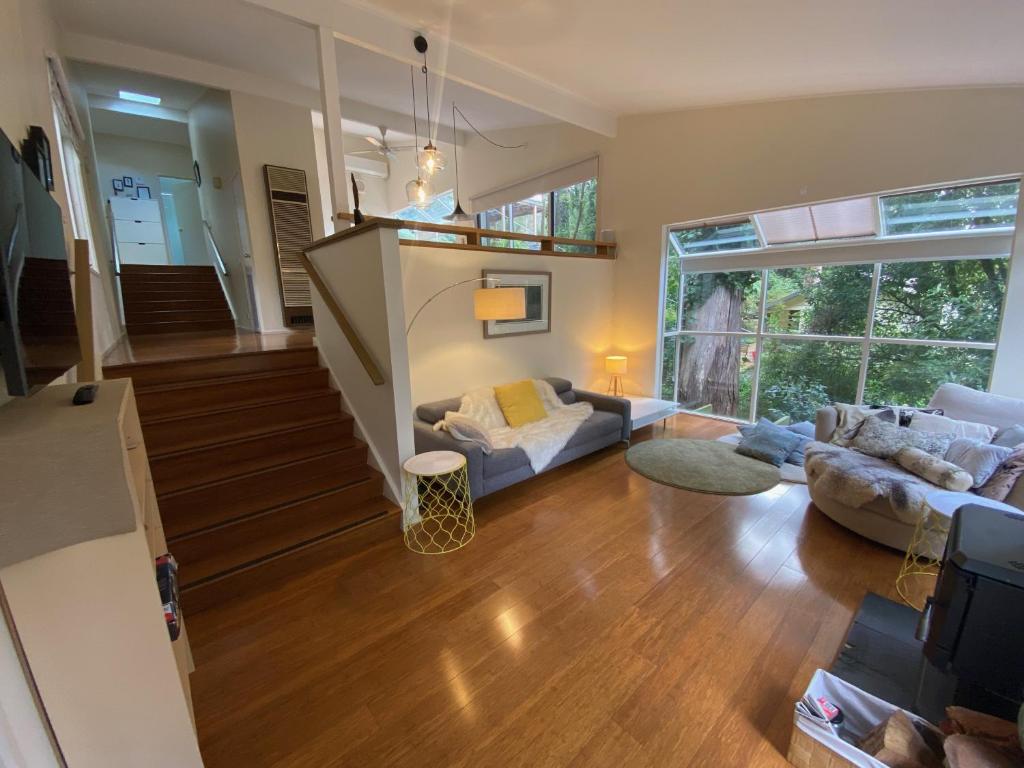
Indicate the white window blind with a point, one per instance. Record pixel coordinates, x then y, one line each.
564 176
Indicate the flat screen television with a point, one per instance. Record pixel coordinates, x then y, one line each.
38 335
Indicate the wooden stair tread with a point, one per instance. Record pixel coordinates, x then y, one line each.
178 386
248 405
297 534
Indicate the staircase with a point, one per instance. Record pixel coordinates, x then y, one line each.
173 299
255 467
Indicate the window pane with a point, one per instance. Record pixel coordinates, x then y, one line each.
909 375
716 374
845 218
827 301
953 209
434 213
721 301
799 377
735 236
791 225
945 300
530 216
673 275
668 369
576 211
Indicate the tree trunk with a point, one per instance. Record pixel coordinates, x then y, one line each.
709 366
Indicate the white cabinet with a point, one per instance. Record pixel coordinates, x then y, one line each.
81 531
139 231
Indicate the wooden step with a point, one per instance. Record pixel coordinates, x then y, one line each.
187 469
168 278
193 509
171 399
178 326
167 269
182 303
254 537
134 316
202 428
171 292
271 572
212 366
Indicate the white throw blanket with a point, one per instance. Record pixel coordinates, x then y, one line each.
540 440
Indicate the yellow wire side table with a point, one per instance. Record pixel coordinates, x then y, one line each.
437 514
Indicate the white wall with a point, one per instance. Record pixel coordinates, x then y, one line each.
211 131
274 133
145 161
447 351
675 167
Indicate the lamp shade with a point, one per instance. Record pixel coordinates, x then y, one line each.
499 303
615 364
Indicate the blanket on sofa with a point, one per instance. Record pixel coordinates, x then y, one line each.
540 440
855 479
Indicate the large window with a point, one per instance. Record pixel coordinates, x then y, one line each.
567 212
781 342
433 213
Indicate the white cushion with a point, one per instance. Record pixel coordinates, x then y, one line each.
466 428
930 422
960 402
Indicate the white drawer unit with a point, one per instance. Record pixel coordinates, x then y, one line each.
139 231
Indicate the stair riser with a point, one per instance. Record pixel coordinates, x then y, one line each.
133 316
132 293
177 371
187 326
156 278
150 269
210 465
209 428
275 572
184 304
170 402
238 543
190 511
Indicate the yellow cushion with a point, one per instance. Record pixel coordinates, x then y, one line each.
520 403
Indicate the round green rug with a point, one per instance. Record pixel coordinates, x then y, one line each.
707 466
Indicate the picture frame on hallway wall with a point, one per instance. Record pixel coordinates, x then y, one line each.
537 286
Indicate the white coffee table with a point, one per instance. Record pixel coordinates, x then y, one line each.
924 553
644 411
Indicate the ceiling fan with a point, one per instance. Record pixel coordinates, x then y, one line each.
381 146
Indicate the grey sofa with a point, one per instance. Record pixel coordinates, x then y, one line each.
876 520
609 424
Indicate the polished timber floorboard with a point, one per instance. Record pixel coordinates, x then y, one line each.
597 619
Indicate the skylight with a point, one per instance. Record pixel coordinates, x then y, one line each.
952 209
141 98
712 238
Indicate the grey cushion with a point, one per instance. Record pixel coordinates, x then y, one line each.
804 428
504 460
884 440
560 385
1009 437
768 442
600 424
796 456
977 457
434 412
567 397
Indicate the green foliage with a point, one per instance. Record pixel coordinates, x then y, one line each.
576 211
952 209
799 399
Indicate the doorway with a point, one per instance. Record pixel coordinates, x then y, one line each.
183 221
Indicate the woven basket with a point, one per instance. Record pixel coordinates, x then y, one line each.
805 752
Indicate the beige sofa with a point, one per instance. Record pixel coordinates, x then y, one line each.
876 520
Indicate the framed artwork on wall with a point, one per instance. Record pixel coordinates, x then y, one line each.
118 185
142 193
538 302
128 182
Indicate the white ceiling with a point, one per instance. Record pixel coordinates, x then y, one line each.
670 54
234 34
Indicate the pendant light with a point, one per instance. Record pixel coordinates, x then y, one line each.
457 215
418 191
430 159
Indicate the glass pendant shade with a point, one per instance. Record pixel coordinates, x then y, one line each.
431 159
418 192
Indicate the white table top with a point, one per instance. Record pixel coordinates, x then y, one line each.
945 503
647 410
434 463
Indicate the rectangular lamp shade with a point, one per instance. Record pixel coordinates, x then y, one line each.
499 303
615 364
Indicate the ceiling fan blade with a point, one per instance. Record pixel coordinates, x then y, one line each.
376 142
365 152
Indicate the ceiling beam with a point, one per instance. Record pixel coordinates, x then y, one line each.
392 38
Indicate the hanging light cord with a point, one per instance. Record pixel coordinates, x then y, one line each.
477 131
455 154
426 87
415 124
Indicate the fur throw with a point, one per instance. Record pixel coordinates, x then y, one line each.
856 480
934 470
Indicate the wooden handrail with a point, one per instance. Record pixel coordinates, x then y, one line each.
369 365
474 236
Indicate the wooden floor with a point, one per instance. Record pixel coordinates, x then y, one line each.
597 619
176 346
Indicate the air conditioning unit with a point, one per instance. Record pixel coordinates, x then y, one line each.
366 166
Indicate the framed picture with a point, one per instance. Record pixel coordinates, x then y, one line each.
538 302
118 185
196 174
142 193
129 182
35 151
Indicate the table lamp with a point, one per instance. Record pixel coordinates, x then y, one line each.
616 366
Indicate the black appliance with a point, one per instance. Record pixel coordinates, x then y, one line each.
975 620
38 334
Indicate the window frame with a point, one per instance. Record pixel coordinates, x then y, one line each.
552 209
